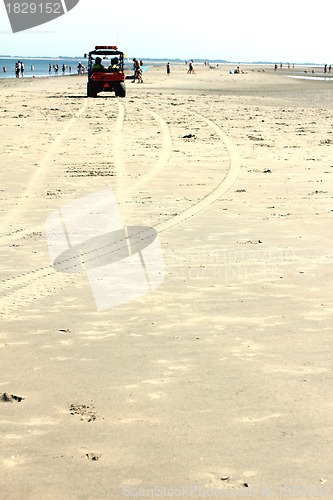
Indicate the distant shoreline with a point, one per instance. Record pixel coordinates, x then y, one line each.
39 67
165 59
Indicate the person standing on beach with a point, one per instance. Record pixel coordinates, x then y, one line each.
50 69
168 68
139 74
4 69
137 71
17 69
22 69
136 64
190 68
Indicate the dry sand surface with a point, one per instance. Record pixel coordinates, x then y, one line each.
219 381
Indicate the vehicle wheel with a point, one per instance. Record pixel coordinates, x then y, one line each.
120 89
91 91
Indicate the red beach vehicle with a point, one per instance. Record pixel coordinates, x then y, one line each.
110 77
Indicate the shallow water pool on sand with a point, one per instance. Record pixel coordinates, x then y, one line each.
327 78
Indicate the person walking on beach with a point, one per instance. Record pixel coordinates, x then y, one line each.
168 68
137 71
190 68
139 74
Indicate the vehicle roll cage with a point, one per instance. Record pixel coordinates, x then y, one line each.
105 52
110 77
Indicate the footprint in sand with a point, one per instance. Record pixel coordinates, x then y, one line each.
84 412
6 397
93 455
90 455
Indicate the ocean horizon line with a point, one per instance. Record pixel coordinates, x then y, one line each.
163 59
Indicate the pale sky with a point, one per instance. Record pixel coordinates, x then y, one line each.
238 30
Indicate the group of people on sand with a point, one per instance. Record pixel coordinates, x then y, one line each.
191 70
281 66
237 71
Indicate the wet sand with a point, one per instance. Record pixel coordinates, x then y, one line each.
219 381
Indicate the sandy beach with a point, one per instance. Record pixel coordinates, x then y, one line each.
218 382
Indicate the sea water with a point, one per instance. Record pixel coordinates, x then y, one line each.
304 77
39 67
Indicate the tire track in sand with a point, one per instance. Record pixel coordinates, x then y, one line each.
41 171
162 160
216 193
19 290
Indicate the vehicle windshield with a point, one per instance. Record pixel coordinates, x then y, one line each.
109 62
